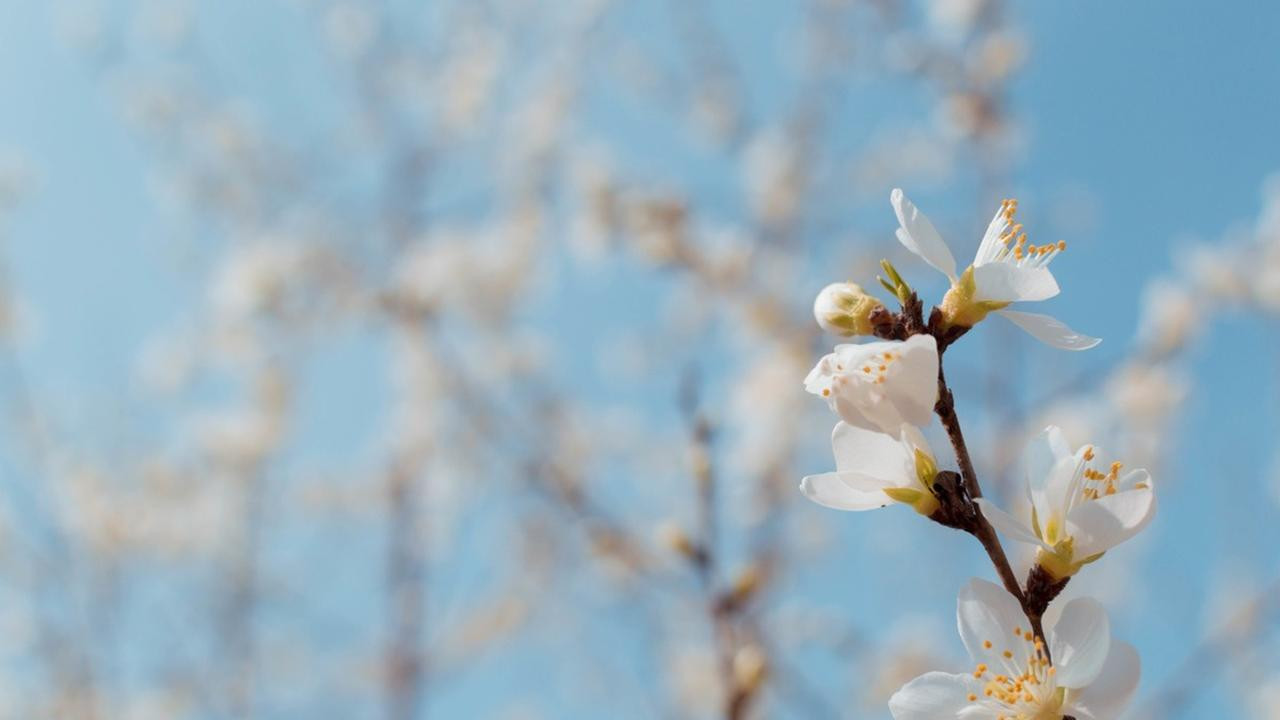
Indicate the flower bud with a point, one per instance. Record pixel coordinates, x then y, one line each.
750 667
844 309
673 537
745 584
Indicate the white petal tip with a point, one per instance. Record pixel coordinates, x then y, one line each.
1080 342
1050 331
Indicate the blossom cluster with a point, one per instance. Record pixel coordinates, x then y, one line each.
1081 502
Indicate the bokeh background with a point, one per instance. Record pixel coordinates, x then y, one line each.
443 359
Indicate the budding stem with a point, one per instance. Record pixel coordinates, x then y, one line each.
900 326
982 530
895 284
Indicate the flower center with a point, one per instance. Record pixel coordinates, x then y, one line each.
1026 690
874 368
1013 247
1097 483
1090 484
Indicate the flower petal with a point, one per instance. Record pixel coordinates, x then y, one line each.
831 490
932 696
919 236
987 613
1079 642
912 440
992 242
1108 695
916 381
1050 331
880 385
1041 456
1099 525
820 376
1051 492
872 453
1003 282
857 407
1007 524
1139 479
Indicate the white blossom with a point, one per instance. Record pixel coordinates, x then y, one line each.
1090 676
1005 270
880 385
1077 511
873 468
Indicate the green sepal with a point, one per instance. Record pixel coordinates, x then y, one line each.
907 496
926 468
960 308
922 501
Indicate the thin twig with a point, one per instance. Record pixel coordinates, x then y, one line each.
959 509
982 530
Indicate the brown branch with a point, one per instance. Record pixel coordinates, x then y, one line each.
720 614
945 408
1040 589
238 636
956 496
404 660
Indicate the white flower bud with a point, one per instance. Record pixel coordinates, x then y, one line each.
750 667
673 537
844 309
